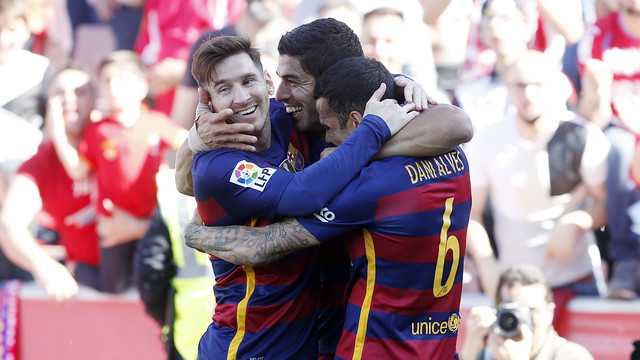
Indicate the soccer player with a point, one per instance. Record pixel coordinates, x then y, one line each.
305 53
403 222
233 186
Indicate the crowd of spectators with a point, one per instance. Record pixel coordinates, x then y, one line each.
564 198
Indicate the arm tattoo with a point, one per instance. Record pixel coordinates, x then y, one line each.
244 245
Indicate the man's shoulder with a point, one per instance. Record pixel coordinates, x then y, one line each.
574 123
570 350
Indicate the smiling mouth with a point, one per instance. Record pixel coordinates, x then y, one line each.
247 111
293 109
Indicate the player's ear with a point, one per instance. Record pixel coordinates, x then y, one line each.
354 120
271 89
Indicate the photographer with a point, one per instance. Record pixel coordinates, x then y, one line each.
520 328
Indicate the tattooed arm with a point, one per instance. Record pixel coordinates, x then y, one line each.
245 245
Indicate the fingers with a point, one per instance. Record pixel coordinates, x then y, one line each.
327 151
203 104
379 93
430 101
408 94
410 110
203 96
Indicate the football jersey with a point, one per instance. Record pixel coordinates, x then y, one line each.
404 223
260 309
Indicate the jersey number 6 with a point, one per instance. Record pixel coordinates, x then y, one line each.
446 243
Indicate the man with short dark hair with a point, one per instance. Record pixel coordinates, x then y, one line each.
232 187
402 220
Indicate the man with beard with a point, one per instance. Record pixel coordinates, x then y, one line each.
300 63
402 222
544 169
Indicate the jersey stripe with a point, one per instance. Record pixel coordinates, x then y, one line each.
241 312
366 304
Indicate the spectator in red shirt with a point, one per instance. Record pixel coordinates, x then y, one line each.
124 151
41 186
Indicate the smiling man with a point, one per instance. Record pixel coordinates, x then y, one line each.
402 221
305 53
256 307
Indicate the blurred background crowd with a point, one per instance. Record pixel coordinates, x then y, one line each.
96 94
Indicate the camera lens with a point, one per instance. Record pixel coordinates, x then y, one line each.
508 322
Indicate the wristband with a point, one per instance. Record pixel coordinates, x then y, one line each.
201 109
195 142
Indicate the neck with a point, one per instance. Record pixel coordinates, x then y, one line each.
264 137
534 129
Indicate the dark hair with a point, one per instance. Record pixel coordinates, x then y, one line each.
124 60
217 49
523 274
348 84
320 44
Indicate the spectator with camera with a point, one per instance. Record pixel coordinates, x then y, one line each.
520 327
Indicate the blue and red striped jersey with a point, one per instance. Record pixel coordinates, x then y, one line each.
256 308
403 222
269 311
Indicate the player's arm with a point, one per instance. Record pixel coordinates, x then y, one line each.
351 156
244 245
438 128
430 133
278 192
303 192
20 207
255 246
435 131
184 160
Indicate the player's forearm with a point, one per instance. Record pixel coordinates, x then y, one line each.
433 132
254 246
184 160
309 191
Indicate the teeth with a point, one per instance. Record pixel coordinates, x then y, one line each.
248 111
293 109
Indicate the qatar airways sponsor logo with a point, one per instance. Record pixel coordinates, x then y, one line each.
325 215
